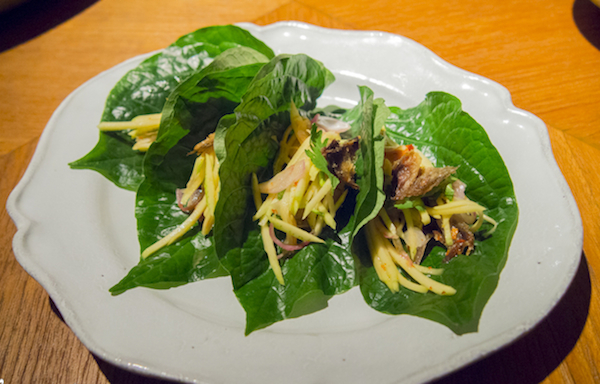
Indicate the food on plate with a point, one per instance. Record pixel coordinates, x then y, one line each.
237 173
198 198
424 204
144 90
301 198
143 129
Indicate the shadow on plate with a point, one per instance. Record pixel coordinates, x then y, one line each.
531 358
587 18
34 17
528 360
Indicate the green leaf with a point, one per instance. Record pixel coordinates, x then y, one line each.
190 115
247 141
144 90
312 276
247 262
316 156
113 158
450 137
367 120
190 259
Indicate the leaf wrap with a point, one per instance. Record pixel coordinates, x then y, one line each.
144 90
449 136
190 115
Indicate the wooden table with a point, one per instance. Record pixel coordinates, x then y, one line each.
545 52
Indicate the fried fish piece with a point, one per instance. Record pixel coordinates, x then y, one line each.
410 179
340 156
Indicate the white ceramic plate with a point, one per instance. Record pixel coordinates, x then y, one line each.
76 236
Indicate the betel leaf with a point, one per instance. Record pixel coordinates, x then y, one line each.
366 120
247 141
450 137
144 90
114 159
312 276
191 259
190 115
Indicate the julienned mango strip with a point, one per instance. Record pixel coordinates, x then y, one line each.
493 222
340 201
300 152
256 192
382 252
429 270
195 181
387 221
142 122
409 267
142 145
383 264
410 239
264 208
211 186
284 149
179 231
298 192
269 247
455 207
326 188
294 231
300 124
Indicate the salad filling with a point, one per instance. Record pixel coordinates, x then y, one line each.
301 198
424 203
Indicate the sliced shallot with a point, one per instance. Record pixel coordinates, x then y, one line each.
287 247
192 202
459 189
332 125
284 179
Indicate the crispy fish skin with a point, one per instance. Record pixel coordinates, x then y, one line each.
410 179
340 156
464 244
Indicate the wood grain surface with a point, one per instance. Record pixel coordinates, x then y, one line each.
547 53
